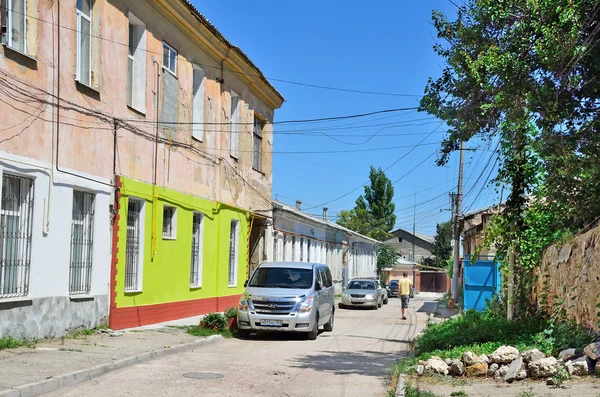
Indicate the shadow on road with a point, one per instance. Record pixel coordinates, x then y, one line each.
370 363
427 307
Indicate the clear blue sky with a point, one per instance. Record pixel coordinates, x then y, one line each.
386 48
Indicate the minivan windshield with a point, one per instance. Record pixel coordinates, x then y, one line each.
281 277
361 285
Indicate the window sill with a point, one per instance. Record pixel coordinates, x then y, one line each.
137 111
17 299
195 287
20 57
88 90
24 54
133 291
233 157
169 237
232 286
81 298
259 171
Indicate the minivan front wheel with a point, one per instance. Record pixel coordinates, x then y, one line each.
312 335
329 326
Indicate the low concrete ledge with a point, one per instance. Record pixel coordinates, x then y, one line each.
73 378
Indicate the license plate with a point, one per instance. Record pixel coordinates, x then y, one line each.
357 301
271 323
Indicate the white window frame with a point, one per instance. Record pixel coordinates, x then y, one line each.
78 70
25 226
140 255
137 100
234 247
198 92
173 233
257 153
200 251
89 222
234 126
172 66
7 13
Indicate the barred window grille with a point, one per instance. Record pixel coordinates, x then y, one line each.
82 242
15 235
233 248
132 250
196 261
169 222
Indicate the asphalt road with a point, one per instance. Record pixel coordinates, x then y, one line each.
353 360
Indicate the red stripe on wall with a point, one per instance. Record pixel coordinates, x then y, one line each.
136 316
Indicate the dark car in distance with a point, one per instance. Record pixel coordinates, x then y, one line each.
392 288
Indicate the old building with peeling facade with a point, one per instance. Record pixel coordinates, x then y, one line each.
135 152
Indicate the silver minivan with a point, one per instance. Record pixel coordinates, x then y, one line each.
287 296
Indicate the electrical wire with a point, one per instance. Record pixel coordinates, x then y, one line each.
219 67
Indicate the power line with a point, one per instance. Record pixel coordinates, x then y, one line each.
323 87
390 166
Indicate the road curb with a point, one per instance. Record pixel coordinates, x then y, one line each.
73 378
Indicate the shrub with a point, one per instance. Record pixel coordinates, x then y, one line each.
215 321
481 328
231 312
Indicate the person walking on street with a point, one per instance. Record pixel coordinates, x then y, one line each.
404 287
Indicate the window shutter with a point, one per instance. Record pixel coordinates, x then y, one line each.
235 127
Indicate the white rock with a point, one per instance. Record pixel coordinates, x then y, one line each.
578 367
513 370
457 368
436 365
484 359
492 370
420 369
522 375
532 355
502 370
469 358
448 361
504 355
544 368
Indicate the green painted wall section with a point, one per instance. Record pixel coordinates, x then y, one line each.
166 277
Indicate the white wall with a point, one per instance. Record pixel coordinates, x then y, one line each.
50 252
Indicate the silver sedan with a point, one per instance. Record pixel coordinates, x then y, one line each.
362 292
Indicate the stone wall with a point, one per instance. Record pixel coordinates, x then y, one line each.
51 317
572 271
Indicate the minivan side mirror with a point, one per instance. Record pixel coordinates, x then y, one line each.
245 283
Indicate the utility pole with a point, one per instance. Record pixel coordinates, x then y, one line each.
414 228
455 271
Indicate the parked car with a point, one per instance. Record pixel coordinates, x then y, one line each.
384 292
382 288
392 288
362 292
288 296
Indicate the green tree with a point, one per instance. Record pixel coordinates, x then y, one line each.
373 214
524 73
442 246
386 257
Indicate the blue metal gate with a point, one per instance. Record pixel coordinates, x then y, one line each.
481 281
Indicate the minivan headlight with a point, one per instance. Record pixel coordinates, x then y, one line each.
306 305
370 296
243 305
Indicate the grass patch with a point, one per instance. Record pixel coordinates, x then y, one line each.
197 331
410 391
11 343
491 331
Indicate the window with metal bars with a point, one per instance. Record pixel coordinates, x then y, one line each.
233 252
82 243
133 254
169 222
196 261
15 235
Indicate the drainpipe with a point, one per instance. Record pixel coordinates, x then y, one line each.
154 188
